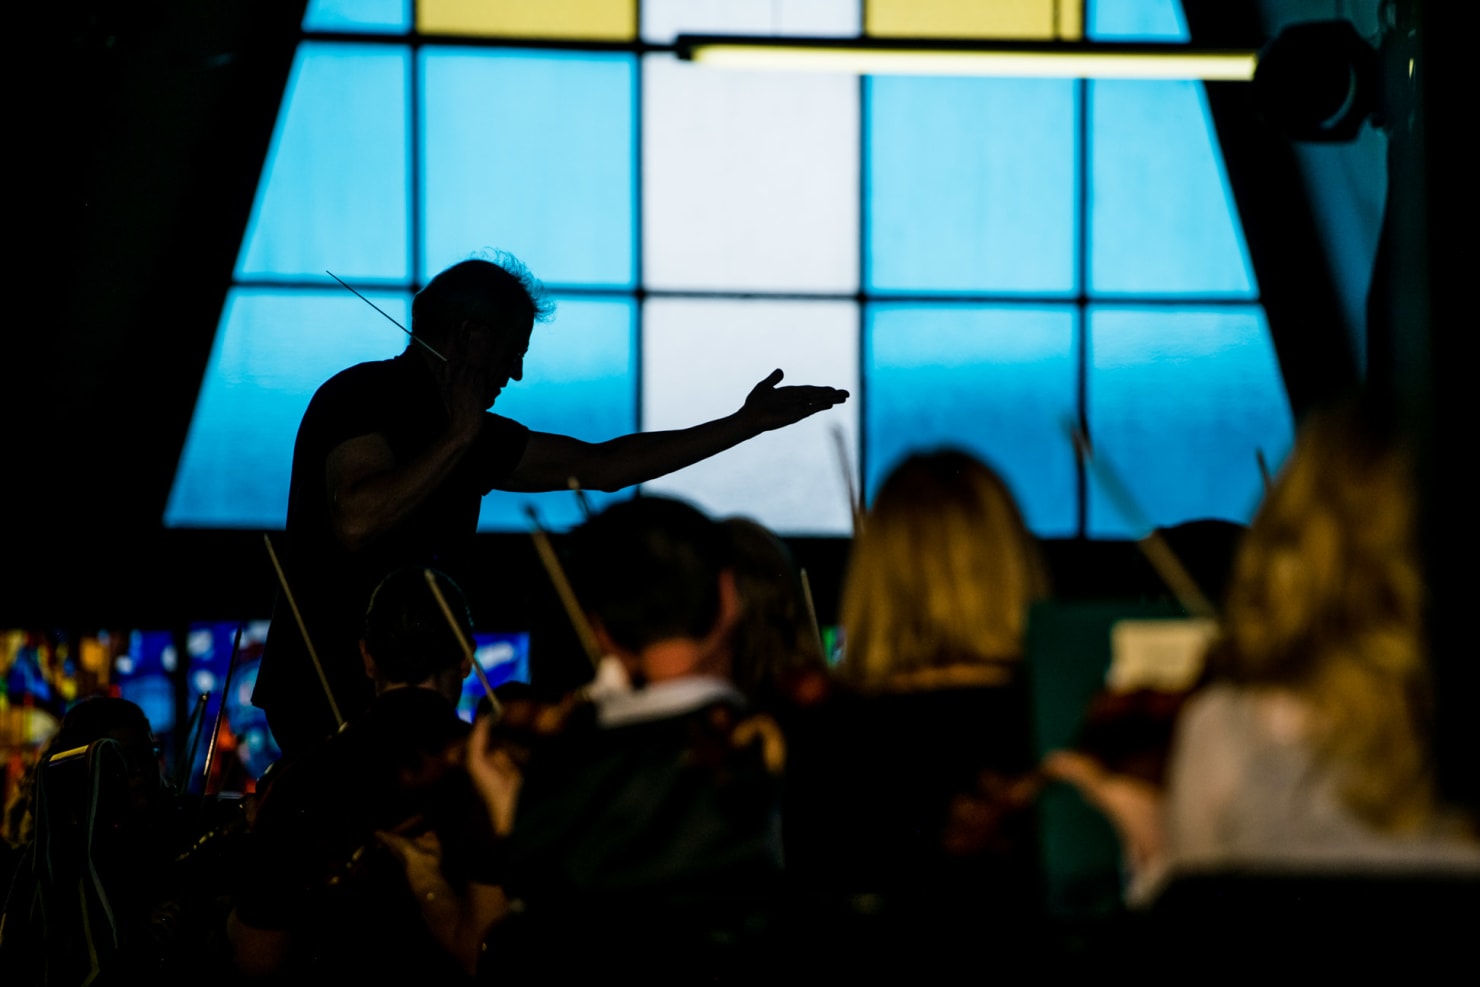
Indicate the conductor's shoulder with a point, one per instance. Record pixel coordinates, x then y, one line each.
371 376
357 389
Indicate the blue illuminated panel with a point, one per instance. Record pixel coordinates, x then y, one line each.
504 657
1136 20
144 678
971 185
368 16
334 193
1180 401
1162 218
995 380
579 380
534 153
273 349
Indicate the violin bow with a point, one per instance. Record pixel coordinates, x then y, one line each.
313 654
1170 568
1264 471
845 466
582 501
812 613
414 337
462 638
193 727
573 610
236 647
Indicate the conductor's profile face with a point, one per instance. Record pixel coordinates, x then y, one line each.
497 354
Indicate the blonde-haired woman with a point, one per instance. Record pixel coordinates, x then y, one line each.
940 579
1313 748
910 782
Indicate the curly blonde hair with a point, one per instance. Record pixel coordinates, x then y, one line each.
1326 602
941 574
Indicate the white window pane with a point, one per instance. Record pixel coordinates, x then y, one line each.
700 358
750 179
662 20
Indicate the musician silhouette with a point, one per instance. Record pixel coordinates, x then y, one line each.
393 457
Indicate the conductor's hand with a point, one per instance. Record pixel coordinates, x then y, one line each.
768 406
464 380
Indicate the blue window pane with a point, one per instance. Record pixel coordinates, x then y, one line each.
334 192
579 380
996 380
379 16
272 351
971 185
1162 219
1136 20
1180 402
534 153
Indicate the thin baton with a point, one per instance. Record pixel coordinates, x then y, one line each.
425 345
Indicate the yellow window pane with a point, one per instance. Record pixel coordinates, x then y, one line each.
1071 20
596 20
1021 19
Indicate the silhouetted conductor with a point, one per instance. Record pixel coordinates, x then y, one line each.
393 457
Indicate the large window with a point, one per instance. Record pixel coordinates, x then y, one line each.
979 261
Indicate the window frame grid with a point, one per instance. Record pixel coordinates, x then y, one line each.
1081 299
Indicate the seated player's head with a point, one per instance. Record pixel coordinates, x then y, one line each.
407 640
110 718
655 573
776 643
942 573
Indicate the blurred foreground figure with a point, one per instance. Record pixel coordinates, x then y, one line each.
1312 748
1308 754
911 783
95 898
640 829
